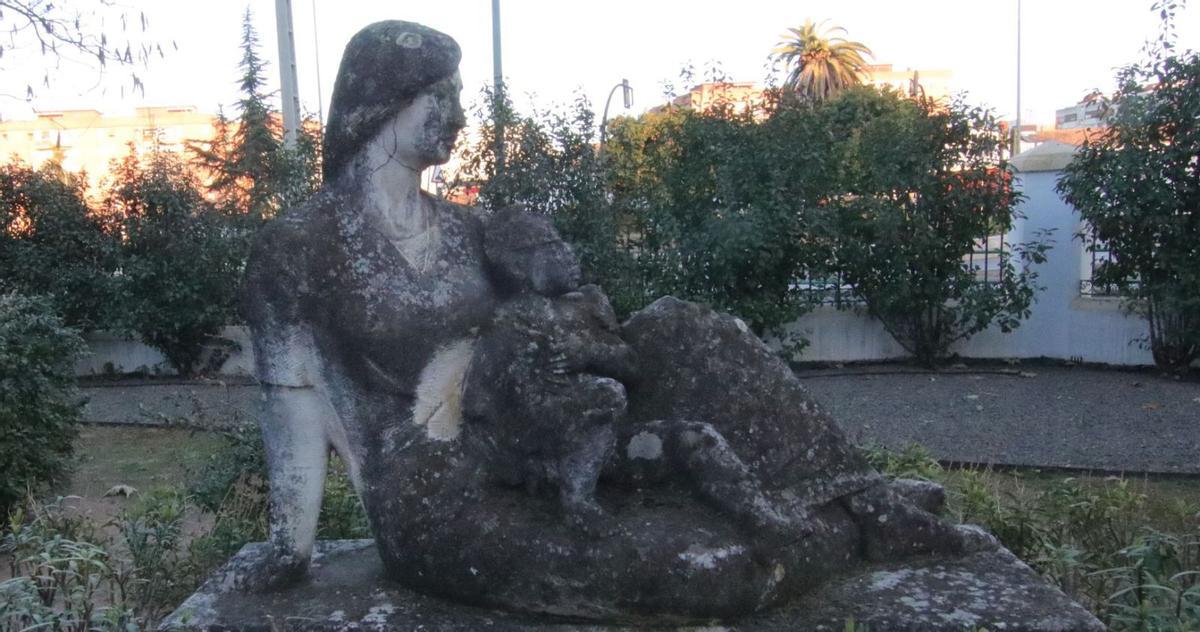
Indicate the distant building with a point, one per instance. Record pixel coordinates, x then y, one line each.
935 84
88 141
704 96
1072 125
1087 113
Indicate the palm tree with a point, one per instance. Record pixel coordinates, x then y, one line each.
822 63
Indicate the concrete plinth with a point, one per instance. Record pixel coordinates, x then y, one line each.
347 591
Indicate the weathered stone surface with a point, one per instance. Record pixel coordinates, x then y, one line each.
384 67
525 254
459 372
348 591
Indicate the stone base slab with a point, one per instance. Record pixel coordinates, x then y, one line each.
347 591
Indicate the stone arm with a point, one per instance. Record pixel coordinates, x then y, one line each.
295 414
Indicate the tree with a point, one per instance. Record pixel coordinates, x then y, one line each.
86 37
1137 186
822 63
180 259
919 187
253 175
51 244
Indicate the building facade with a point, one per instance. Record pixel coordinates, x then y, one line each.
88 141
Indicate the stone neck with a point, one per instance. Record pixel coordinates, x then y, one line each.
393 204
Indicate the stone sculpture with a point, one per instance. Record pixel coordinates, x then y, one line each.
460 372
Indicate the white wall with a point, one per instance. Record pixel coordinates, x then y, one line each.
114 354
1063 324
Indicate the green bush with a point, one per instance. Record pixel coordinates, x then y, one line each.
1136 185
52 244
39 405
181 262
920 185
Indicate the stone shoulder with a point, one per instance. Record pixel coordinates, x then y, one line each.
277 270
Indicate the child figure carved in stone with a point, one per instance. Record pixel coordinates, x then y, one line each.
544 401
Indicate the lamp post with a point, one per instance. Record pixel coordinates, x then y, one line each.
498 87
287 71
627 98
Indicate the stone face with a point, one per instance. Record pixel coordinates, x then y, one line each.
384 67
347 590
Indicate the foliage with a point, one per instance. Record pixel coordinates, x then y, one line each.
551 167
750 208
68 574
66 32
718 206
180 265
1138 187
707 206
254 176
920 186
1129 555
908 461
39 405
822 63
60 575
51 243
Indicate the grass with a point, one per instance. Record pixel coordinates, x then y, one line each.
138 456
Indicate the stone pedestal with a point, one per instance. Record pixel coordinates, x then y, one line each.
347 591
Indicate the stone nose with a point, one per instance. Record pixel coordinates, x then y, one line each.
458 117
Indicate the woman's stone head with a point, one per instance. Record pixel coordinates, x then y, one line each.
389 68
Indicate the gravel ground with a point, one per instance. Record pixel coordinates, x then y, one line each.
1045 416
1041 416
150 402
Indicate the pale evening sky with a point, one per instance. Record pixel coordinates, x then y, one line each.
554 47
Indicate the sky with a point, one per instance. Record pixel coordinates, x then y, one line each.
555 49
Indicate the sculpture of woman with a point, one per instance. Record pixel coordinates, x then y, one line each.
365 306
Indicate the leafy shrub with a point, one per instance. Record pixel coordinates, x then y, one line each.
1137 186
157 575
911 460
180 262
52 244
39 405
60 575
920 186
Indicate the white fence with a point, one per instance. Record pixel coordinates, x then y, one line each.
1063 324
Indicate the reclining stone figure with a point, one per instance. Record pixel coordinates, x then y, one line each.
366 306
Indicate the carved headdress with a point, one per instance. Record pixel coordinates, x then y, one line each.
385 66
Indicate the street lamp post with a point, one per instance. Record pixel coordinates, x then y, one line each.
498 86
627 98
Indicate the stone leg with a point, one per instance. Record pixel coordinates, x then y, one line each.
578 473
697 452
893 527
297 453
